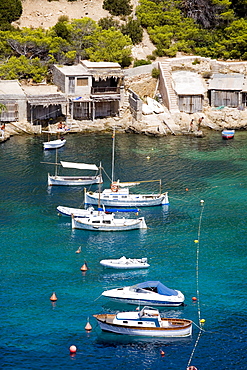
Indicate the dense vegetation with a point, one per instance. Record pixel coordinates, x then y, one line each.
211 28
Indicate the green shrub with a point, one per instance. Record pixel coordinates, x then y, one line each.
155 73
141 62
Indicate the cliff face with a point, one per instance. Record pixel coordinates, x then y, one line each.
44 13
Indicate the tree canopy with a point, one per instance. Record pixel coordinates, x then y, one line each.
10 11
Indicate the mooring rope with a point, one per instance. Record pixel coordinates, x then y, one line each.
197 285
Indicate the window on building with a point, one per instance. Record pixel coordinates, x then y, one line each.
82 81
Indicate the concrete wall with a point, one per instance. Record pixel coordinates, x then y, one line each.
147 68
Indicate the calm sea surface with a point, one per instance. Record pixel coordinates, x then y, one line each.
38 253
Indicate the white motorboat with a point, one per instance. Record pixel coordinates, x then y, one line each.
146 322
155 106
75 180
125 263
54 144
149 292
119 196
107 222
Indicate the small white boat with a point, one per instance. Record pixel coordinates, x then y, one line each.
75 180
149 292
146 109
126 263
227 134
107 222
155 106
54 144
146 322
77 212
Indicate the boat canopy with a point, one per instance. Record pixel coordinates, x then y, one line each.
157 287
79 166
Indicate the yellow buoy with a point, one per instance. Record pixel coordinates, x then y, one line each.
202 321
53 297
196 241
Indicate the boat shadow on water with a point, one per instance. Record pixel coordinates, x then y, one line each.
114 340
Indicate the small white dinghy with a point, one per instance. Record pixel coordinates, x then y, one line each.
126 263
54 144
146 322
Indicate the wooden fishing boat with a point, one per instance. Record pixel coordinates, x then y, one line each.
147 293
75 180
146 322
54 144
227 134
107 222
124 263
119 195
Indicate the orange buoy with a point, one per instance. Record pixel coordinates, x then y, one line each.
162 353
194 299
53 297
72 349
84 267
187 189
88 326
78 250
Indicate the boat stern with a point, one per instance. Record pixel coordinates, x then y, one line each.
165 199
143 224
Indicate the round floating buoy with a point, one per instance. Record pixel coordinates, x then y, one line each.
148 157
78 250
72 349
202 201
202 321
187 189
84 267
53 297
162 353
194 299
88 326
191 368
196 241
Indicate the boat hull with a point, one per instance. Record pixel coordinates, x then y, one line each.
54 144
151 332
127 265
146 302
117 225
74 180
77 212
132 200
228 134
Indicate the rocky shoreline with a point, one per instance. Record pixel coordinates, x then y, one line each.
157 125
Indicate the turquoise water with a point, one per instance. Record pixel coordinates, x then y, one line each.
38 253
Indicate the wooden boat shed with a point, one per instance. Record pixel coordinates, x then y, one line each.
14 99
225 90
190 89
93 88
